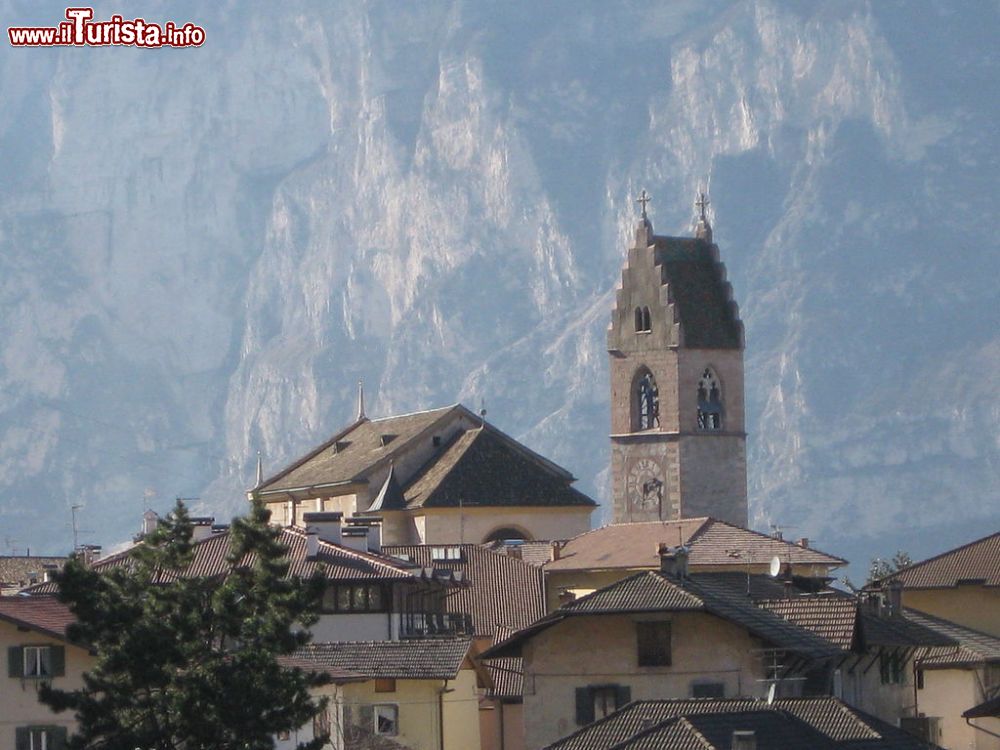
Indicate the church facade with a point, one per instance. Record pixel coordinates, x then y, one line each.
678 440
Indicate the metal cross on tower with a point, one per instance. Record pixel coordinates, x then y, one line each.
642 200
701 204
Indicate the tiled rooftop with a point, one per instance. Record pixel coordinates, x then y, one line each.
41 613
414 659
977 562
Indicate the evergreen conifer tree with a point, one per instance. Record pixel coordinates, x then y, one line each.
189 662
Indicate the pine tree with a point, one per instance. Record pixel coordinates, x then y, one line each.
187 662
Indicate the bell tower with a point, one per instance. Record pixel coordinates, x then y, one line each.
678 445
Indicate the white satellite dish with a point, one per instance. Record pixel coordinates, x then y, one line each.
775 567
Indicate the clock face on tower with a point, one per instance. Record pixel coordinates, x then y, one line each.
645 485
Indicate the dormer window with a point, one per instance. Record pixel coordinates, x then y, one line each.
384 440
709 401
647 398
643 320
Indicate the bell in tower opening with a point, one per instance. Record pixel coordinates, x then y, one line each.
678 445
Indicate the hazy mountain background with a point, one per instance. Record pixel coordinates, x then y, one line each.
202 250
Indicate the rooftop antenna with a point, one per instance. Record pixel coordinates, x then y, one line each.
11 544
76 531
260 471
361 401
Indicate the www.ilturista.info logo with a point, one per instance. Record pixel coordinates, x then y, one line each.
79 30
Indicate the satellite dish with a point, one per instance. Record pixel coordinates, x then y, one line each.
775 566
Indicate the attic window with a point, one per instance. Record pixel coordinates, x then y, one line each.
340 445
384 440
436 441
446 553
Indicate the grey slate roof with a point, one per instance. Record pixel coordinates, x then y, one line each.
390 496
500 590
20 571
974 648
787 724
656 592
697 288
413 659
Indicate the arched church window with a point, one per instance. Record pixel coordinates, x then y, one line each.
647 322
648 402
638 320
709 401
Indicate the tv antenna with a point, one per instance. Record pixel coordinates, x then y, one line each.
75 526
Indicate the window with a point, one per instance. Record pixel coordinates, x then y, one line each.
708 690
321 724
387 719
354 598
643 320
648 402
653 640
890 667
284 735
709 401
638 320
446 553
597 701
40 738
36 662
385 685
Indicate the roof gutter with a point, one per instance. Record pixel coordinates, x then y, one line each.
309 488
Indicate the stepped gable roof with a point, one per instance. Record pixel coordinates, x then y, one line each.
712 543
20 571
973 647
977 562
657 592
486 467
357 449
499 591
409 659
337 562
44 614
698 290
787 723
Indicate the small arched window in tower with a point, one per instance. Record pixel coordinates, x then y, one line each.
709 401
648 402
638 320
647 322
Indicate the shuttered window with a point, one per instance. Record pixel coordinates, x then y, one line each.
36 662
597 701
653 641
40 738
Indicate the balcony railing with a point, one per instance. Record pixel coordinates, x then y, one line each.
432 625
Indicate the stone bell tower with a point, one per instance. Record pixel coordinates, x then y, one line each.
678 445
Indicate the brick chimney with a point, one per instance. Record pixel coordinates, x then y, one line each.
327 525
673 560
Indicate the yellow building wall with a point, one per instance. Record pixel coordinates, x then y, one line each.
19 705
421 706
582 651
474 525
946 694
976 607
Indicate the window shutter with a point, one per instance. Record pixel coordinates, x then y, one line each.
57 738
22 740
623 694
57 660
15 661
584 706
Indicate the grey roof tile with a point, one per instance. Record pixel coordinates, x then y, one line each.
414 659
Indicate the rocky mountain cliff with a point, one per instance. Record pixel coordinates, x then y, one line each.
203 250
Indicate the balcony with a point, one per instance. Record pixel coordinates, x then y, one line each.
435 625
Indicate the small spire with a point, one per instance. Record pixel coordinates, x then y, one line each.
642 200
260 471
361 401
703 230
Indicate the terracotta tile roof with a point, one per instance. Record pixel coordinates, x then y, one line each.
500 590
787 724
41 613
485 467
834 618
19 571
697 288
675 733
537 552
339 563
712 543
507 673
416 659
656 592
977 562
973 647
359 448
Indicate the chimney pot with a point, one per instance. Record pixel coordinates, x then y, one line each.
804 543
673 560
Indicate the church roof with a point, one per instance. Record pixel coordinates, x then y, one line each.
390 497
354 451
485 467
712 543
700 294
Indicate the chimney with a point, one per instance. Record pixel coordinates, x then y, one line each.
673 560
90 553
312 543
555 550
327 525
895 589
202 528
149 522
744 740
373 528
804 543
355 537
